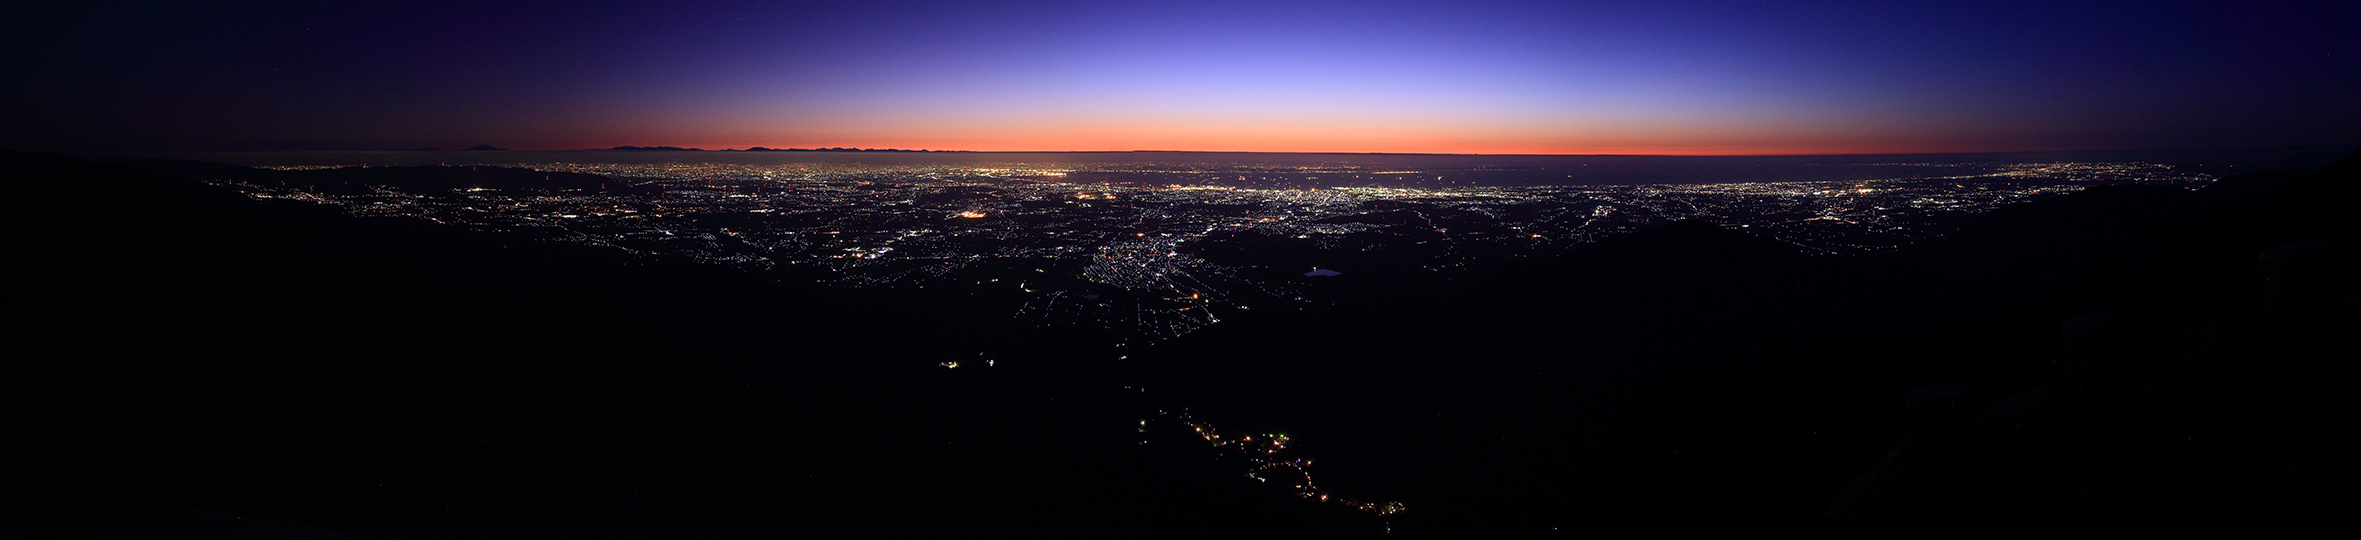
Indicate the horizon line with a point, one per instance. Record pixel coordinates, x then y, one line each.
930 151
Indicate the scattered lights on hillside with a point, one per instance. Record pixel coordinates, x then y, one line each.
1269 457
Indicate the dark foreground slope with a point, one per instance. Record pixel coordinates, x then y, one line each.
188 359
2195 387
283 362
195 357
1690 374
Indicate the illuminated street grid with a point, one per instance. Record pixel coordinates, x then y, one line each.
1120 248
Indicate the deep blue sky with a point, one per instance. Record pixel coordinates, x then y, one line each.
1473 77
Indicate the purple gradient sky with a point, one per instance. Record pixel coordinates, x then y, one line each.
1457 77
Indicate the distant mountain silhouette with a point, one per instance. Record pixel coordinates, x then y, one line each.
483 147
656 149
760 149
763 149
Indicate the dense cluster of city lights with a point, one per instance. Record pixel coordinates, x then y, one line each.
1123 249
1118 253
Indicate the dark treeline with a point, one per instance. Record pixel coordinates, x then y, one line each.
190 354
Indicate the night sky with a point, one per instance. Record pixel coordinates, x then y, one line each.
1440 77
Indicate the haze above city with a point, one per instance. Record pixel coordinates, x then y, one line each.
1712 78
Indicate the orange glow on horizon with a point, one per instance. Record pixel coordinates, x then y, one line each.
1228 131
1080 146
1104 144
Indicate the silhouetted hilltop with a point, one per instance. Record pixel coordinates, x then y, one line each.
2247 188
758 149
835 149
2318 200
2189 390
2151 421
2063 228
43 182
2113 244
